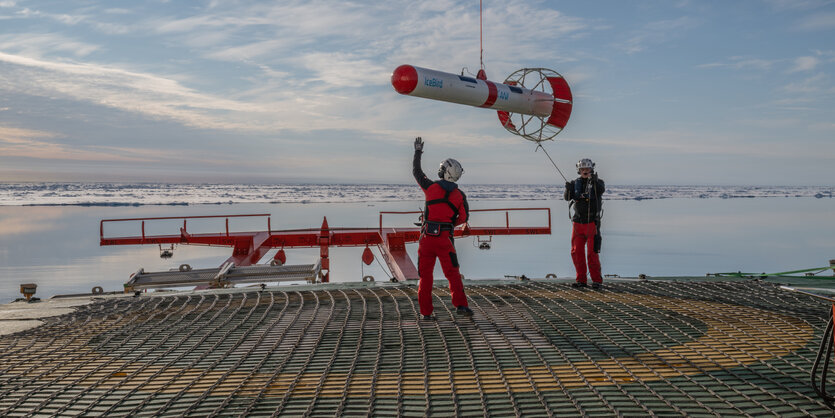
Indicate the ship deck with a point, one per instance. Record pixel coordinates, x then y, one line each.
532 348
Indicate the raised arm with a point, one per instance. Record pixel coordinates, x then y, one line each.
417 171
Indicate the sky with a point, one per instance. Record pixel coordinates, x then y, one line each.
665 92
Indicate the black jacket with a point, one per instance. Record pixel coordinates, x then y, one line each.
587 198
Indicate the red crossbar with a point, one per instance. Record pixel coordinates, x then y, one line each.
249 247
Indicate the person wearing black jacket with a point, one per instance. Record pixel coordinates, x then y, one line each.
585 194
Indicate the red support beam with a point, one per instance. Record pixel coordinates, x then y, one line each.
250 247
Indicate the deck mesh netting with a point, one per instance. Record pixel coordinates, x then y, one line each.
533 348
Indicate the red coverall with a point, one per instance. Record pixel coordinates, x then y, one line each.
582 239
446 205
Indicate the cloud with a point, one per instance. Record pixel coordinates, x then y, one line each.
818 21
782 5
674 142
41 145
341 69
127 90
41 45
816 84
742 63
26 143
804 64
655 33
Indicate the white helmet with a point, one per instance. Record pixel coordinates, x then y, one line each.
450 170
585 163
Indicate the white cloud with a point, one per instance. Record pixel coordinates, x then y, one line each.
655 33
804 64
41 45
818 21
742 63
782 5
680 143
340 69
129 91
816 84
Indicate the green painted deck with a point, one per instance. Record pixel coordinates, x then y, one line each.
533 348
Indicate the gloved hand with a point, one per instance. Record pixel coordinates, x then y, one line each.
419 144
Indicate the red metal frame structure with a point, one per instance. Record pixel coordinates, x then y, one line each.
250 247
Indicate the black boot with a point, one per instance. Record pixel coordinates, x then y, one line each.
463 310
578 284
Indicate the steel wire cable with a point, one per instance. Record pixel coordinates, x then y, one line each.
377 358
301 312
369 345
731 371
212 352
447 360
58 331
564 359
764 363
631 324
106 376
523 315
506 323
602 332
262 336
56 366
329 366
203 353
400 363
235 344
151 333
644 348
511 393
346 388
185 350
312 352
602 371
9 346
422 348
476 376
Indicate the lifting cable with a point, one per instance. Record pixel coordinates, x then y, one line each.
538 146
480 37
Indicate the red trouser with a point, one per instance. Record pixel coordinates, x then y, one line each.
582 238
443 248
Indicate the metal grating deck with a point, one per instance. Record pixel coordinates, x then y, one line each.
536 348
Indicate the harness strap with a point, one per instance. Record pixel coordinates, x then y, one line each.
445 200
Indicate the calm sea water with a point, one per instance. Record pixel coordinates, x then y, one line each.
57 247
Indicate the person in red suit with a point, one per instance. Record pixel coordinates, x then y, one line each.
446 207
585 194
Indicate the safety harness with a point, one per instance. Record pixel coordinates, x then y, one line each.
434 228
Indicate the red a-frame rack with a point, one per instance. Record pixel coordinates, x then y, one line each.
250 247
